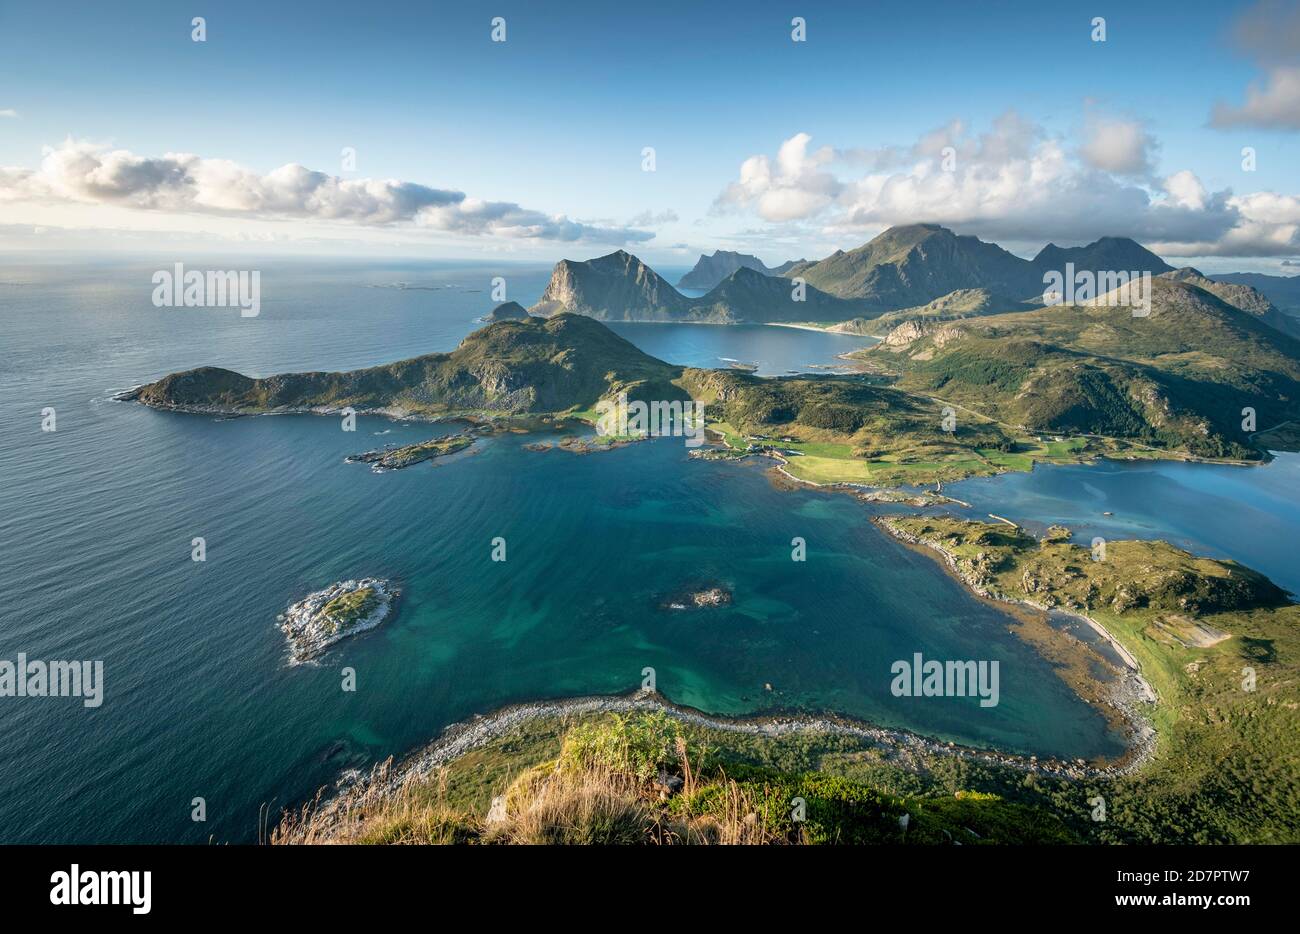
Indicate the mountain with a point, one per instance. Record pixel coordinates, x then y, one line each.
916 271
709 271
1176 379
963 303
1248 299
747 296
1111 254
909 266
1282 291
617 287
512 367
507 311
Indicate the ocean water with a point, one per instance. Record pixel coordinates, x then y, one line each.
96 521
1250 514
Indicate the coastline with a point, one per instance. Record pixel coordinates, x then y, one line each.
903 746
1127 695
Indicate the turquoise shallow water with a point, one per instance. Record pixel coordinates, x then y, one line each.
97 518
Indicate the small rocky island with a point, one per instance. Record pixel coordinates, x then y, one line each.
586 445
344 609
395 458
693 598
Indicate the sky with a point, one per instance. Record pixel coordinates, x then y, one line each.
666 129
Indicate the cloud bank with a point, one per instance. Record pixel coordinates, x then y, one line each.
1014 182
85 173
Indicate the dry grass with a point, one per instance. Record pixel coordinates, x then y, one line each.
583 798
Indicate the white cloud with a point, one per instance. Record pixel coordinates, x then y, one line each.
1268 34
1186 190
1013 183
796 187
1120 146
8 112
1268 224
88 174
1275 105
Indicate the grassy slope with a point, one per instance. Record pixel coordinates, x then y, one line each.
512 367
1173 384
1176 380
853 430
1227 767
592 779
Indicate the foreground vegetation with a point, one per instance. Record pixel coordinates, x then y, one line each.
647 778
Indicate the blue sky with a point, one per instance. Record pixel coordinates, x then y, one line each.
553 121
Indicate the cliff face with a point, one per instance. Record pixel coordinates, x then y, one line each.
620 287
910 331
512 367
617 287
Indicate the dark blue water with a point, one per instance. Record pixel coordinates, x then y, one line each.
1251 514
96 521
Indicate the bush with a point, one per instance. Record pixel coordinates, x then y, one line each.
637 744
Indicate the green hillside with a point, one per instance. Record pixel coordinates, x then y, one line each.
1177 379
535 366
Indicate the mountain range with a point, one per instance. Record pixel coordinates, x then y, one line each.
619 287
1282 291
709 271
911 271
1178 378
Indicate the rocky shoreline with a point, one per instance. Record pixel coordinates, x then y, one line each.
1129 694
327 616
906 748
